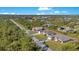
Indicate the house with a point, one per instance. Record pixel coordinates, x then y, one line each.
61 28
41 45
61 38
39 30
49 25
50 35
58 37
64 29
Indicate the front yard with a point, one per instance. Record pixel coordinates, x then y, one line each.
41 37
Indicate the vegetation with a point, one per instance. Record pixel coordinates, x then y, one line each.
41 37
14 39
68 21
68 46
30 24
58 21
55 46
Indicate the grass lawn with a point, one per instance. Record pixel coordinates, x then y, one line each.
67 46
57 46
41 36
73 35
33 32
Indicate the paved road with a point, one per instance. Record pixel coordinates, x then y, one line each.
38 43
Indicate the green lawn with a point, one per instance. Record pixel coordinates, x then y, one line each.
33 32
57 46
41 36
67 46
73 35
71 46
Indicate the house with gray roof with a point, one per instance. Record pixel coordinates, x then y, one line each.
49 24
50 35
61 38
39 30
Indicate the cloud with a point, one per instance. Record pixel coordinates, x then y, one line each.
5 13
60 12
43 8
56 12
12 13
41 13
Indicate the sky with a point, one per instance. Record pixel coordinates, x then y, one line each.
40 10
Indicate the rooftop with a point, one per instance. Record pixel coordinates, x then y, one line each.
50 33
62 37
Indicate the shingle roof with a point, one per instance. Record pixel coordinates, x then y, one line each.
50 32
62 37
